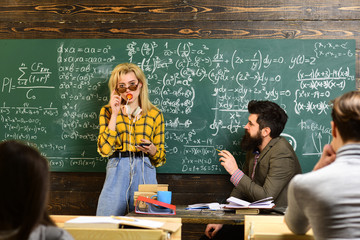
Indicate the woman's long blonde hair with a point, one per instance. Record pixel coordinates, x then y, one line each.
125 68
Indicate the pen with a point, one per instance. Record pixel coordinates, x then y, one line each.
124 218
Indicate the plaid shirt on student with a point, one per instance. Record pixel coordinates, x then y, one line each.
128 134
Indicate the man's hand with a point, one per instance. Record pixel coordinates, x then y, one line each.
327 157
212 229
228 161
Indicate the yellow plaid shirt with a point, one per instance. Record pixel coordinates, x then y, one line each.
128 134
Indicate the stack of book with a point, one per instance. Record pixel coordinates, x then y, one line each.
240 206
244 207
211 206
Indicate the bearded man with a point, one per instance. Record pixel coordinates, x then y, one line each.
270 161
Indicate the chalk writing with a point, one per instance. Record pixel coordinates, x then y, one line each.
51 94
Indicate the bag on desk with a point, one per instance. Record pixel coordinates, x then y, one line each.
145 205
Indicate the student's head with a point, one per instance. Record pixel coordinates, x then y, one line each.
346 116
130 75
266 118
24 184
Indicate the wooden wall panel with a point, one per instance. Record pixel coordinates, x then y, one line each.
77 193
171 10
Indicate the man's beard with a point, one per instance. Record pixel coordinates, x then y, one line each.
249 143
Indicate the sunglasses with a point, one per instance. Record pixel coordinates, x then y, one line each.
123 89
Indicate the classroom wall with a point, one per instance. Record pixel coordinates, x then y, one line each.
77 193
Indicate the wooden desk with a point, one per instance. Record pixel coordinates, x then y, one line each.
126 234
270 228
200 217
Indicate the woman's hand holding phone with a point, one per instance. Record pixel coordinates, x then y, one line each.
147 147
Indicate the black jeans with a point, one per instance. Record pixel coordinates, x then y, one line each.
233 232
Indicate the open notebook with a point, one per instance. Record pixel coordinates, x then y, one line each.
236 203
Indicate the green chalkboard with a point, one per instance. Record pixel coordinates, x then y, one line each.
52 92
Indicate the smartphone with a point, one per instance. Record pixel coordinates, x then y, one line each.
144 144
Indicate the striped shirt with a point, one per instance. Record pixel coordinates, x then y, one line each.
238 174
128 134
236 177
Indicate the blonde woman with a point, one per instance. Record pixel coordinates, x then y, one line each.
132 136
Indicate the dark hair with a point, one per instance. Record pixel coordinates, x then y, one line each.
346 115
24 183
269 115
